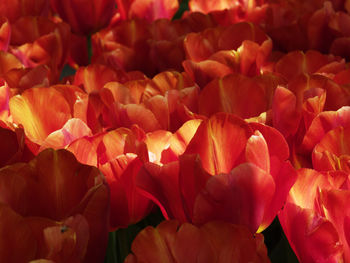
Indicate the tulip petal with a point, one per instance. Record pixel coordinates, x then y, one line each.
73 129
128 206
212 242
239 197
234 94
192 180
27 109
17 242
161 185
220 141
312 238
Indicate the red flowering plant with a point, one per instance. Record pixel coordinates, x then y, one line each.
206 184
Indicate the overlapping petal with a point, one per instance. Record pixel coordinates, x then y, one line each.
75 13
207 183
214 241
27 109
64 203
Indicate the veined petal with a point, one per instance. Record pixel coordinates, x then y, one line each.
240 197
220 141
28 109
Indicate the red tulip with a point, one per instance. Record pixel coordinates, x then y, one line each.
149 9
4 101
332 153
212 242
213 185
315 218
94 77
128 206
5 33
64 204
165 102
16 236
75 13
119 154
38 40
13 147
16 9
241 48
238 94
296 63
322 124
209 6
8 62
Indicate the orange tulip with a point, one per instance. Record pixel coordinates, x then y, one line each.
27 109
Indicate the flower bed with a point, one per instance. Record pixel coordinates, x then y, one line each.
174 131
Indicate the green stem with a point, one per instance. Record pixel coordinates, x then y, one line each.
111 256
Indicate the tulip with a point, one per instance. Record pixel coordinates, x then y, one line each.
216 52
14 148
85 17
39 41
61 205
227 163
14 10
149 9
212 242
5 33
27 109
315 217
119 154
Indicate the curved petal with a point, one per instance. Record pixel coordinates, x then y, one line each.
234 94
128 206
73 129
161 185
94 77
240 197
153 9
313 238
27 109
17 242
51 185
5 33
220 141
192 179
324 122
212 242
